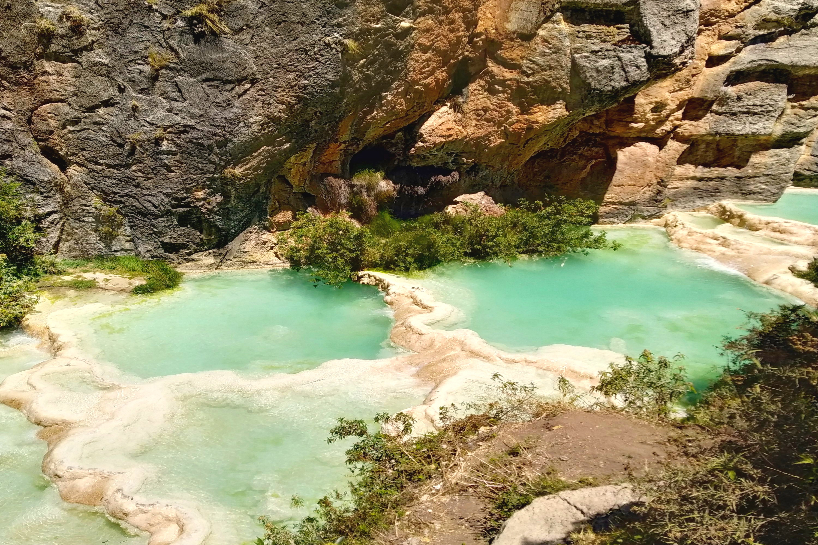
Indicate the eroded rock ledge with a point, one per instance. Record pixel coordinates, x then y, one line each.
135 132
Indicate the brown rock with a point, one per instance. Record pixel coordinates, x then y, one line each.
480 201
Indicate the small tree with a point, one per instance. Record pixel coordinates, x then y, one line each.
646 386
18 239
333 248
18 242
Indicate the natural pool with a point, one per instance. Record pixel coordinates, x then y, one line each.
250 321
795 204
239 358
648 295
247 398
31 511
273 446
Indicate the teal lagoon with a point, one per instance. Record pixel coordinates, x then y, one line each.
263 322
31 511
647 295
795 204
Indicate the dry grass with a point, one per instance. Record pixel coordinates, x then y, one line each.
159 58
77 22
207 17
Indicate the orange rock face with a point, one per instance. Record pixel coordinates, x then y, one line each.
642 105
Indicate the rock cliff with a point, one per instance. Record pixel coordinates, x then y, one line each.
148 126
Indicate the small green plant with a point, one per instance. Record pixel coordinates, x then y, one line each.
109 221
810 274
352 47
234 175
134 140
206 17
159 58
647 386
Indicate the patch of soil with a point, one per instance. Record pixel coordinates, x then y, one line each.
600 447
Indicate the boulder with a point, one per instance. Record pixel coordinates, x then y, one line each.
551 519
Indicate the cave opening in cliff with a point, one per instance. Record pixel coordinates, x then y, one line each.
375 157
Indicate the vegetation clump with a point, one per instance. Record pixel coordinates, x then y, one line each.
44 28
19 265
757 482
76 21
647 386
810 274
159 275
159 58
334 248
206 17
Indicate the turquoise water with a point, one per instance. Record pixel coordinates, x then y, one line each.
794 204
235 450
231 451
239 460
31 511
255 322
648 295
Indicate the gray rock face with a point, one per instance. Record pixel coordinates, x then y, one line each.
134 129
667 25
748 109
550 519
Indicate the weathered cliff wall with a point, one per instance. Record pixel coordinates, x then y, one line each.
134 128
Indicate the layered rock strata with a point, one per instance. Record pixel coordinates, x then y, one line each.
135 127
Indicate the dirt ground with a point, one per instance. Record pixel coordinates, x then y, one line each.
601 447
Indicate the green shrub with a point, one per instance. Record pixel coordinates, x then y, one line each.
16 298
159 276
810 274
646 386
335 248
18 239
18 261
